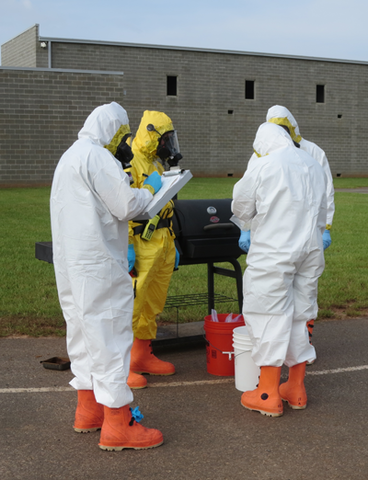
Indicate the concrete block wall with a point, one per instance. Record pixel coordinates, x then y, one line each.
216 124
21 51
42 113
212 84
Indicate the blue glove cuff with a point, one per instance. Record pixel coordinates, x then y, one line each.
326 237
131 257
244 241
177 258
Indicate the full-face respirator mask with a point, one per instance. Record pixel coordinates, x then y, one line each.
124 154
168 146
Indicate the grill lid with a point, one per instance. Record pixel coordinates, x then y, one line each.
204 230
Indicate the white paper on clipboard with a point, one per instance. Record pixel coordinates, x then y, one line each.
170 187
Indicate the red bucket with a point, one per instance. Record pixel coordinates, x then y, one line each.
219 339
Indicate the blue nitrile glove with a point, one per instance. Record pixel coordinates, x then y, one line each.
326 237
136 414
153 182
177 258
244 240
131 257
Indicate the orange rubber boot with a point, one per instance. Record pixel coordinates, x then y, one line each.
120 430
265 398
136 381
293 391
310 326
142 360
89 415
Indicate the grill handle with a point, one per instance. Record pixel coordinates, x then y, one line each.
216 226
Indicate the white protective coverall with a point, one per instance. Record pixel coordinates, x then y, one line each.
91 204
282 116
282 197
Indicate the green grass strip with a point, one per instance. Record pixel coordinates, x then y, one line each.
28 298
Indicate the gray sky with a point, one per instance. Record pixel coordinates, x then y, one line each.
314 28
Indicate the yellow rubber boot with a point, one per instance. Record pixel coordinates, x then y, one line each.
293 391
120 430
265 398
136 381
89 415
142 360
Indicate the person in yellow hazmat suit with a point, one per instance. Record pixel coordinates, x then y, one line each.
153 255
91 203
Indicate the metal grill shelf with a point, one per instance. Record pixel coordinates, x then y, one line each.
177 301
180 301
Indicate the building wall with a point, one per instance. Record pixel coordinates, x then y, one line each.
21 51
216 124
41 114
210 84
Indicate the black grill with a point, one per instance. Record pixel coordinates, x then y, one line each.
205 234
204 231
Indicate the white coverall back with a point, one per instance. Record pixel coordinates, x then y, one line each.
279 114
91 204
282 116
282 197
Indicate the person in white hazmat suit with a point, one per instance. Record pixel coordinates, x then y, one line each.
91 203
282 198
282 116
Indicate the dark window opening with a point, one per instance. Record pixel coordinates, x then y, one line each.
171 86
320 94
230 112
249 89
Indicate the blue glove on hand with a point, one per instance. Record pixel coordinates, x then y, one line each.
326 237
154 181
244 240
177 259
131 257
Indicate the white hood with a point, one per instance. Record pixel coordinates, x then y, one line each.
103 123
282 116
270 137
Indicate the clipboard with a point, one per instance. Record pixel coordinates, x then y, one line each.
170 187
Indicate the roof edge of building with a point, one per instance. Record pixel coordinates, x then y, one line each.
199 50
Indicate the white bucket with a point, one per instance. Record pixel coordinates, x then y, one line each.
246 371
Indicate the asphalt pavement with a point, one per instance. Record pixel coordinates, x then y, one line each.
207 433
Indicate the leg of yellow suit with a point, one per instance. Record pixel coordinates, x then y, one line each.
154 264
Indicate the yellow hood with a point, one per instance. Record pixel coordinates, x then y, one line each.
146 142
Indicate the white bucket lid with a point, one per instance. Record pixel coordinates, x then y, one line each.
243 331
242 347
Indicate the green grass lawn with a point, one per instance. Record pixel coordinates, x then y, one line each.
28 296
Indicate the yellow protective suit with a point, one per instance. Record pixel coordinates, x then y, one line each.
155 259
